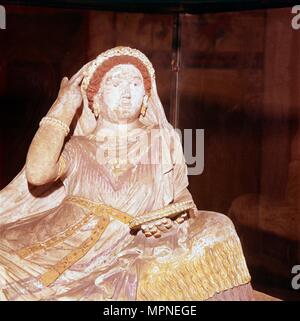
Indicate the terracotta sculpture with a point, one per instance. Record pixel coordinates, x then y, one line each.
90 217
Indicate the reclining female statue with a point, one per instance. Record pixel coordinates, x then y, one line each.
101 209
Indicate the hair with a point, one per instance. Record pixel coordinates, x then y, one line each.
94 84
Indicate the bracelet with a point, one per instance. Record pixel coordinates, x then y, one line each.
56 122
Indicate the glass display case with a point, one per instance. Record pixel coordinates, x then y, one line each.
228 67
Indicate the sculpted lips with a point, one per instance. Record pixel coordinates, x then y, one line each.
125 105
125 101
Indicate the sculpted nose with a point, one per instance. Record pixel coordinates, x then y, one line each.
126 91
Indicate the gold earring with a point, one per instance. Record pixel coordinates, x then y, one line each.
96 109
144 106
96 106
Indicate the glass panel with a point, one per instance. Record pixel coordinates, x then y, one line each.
239 80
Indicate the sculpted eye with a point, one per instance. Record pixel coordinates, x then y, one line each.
136 82
116 83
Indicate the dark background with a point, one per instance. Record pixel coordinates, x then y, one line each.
233 72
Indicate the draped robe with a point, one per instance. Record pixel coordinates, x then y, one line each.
200 259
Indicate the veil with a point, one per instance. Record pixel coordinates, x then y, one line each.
18 200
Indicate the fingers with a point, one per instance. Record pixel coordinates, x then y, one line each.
64 81
167 223
79 72
155 228
181 218
150 230
161 226
77 78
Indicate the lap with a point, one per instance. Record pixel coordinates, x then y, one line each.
204 258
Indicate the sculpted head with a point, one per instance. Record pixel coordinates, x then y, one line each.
119 84
121 93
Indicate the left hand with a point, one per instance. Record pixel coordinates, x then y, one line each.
156 228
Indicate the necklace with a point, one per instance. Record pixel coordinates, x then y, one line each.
120 158
119 166
121 163
124 148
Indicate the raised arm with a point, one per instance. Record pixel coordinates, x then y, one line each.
43 163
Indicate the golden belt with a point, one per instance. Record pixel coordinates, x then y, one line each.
104 212
92 209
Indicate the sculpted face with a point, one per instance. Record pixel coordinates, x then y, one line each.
121 94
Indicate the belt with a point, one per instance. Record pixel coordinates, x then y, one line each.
104 212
